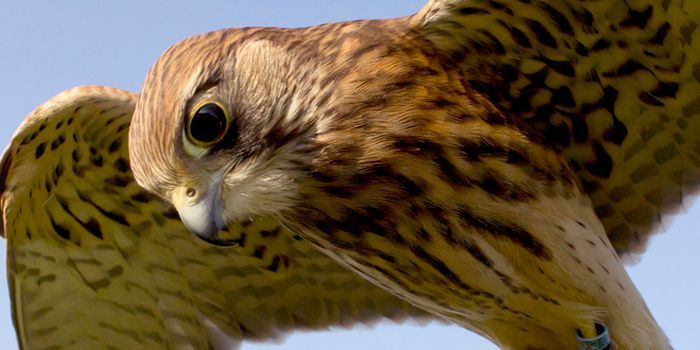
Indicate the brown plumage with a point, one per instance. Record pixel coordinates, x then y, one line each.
483 161
96 261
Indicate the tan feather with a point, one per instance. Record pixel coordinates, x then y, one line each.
95 262
613 85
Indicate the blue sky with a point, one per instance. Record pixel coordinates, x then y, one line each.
47 46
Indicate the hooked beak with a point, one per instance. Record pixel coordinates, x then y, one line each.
202 214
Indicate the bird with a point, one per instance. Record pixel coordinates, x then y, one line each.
484 162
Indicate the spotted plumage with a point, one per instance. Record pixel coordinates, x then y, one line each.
102 262
485 161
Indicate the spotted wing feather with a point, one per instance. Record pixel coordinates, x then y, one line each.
613 85
96 262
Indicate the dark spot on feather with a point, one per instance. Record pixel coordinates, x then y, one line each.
57 142
140 197
604 211
338 191
563 97
585 17
665 89
259 251
564 68
602 165
512 232
519 37
96 159
509 73
438 265
468 11
637 19
660 35
93 226
60 230
114 146
122 165
491 185
450 173
617 133
579 130
172 214
275 264
408 185
558 134
649 99
495 46
600 45
558 18
75 155
271 233
581 49
40 150
441 103
114 216
57 172
541 33
627 68
118 181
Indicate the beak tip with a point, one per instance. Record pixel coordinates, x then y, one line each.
203 231
200 221
208 231
218 242
209 234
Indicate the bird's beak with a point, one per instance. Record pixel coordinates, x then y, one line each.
202 213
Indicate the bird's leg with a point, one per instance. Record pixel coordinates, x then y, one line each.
594 337
588 331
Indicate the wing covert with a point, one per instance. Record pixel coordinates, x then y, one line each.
613 85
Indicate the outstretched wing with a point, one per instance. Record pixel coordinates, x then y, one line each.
612 84
96 262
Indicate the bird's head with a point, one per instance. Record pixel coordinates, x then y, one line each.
238 123
220 129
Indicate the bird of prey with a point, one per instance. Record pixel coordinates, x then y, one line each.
488 163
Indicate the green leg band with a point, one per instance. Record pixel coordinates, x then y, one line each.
600 342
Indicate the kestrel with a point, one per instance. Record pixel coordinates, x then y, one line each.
482 162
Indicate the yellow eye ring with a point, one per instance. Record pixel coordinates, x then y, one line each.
207 124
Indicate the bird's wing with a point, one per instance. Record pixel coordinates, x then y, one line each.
96 262
613 84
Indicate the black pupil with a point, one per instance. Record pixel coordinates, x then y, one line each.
208 124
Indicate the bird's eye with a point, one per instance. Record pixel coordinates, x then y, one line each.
208 124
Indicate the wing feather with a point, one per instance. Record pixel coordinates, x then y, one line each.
613 85
96 262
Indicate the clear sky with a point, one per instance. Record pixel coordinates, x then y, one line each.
48 46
